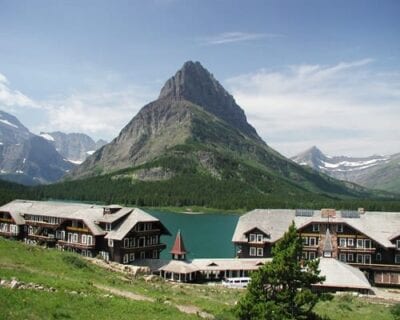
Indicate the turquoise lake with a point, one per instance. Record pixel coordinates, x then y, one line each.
205 235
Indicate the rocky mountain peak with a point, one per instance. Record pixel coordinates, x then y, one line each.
196 84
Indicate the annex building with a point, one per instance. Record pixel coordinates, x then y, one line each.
113 232
367 240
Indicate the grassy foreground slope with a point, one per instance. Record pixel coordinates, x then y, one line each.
78 295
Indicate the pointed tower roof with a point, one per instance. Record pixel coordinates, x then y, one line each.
328 242
179 247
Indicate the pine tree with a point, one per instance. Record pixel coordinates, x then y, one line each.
282 289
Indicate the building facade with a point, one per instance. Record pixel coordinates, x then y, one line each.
369 241
114 233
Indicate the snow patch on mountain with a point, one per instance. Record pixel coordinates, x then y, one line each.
8 123
47 136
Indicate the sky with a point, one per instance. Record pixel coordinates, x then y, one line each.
306 72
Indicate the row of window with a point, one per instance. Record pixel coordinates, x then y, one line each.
143 226
310 241
360 258
140 242
256 237
12 228
131 256
256 252
316 228
349 242
44 219
85 239
309 255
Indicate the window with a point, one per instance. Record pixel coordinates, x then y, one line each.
342 242
367 259
339 227
260 238
342 257
313 241
398 244
359 258
304 255
110 243
84 238
131 257
260 252
315 227
108 226
378 257
305 241
253 251
89 240
75 238
126 258
126 242
367 243
350 242
397 258
311 255
252 237
350 257
143 255
155 254
360 243
132 242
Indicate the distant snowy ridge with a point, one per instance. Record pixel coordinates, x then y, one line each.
8 123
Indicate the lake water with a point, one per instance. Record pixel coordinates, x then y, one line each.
206 235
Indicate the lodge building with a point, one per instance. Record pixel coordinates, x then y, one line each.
113 232
367 240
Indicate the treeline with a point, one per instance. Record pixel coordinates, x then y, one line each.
188 191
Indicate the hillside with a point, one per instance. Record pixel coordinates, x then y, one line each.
63 285
374 172
193 145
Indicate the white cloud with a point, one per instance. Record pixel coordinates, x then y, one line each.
229 37
344 108
13 98
101 114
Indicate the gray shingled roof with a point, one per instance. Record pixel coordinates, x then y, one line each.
380 226
89 214
341 275
134 217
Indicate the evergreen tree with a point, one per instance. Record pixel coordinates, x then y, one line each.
282 289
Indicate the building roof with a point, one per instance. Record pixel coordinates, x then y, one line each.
380 226
179 266
91 215
341 275
178 247
229 264
137 215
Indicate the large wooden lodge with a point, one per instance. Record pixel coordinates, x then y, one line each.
367 240
115 233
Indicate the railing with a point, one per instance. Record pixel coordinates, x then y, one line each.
42 224
8 233
6 220
355 249
147 247
42 237
77 229
75 244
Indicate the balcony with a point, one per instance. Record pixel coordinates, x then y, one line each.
147 232
77 229
75 244
160 246
44 224
7 220
41 237
357 250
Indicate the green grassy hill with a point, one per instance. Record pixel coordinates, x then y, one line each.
82 291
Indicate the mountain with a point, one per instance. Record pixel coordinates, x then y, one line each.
27 158
194 144
75 147
374 172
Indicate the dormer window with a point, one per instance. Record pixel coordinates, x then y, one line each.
339 227
315 227
398 244
260 238
108 226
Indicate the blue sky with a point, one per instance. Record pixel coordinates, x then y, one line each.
306 73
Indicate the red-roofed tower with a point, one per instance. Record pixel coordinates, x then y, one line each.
178 250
